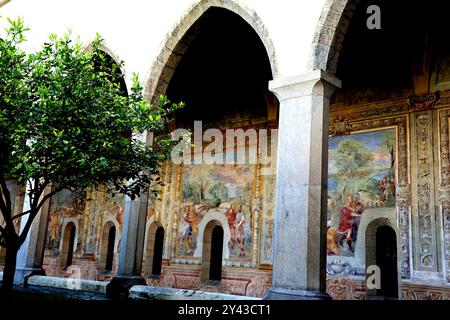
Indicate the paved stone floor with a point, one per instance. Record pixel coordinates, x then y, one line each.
46 294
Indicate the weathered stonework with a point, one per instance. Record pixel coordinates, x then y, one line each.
244 282
423 190
444 183
177 41
330 32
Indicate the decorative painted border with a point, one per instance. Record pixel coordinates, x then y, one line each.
444 183
353 125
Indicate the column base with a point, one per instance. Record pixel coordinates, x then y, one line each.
118 287
289 294
22 274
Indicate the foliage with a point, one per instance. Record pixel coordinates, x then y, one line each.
353 163
65 122
218 193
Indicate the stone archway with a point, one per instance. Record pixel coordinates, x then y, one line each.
330 33
112 54
154 249
212 252
3 2
382 250
108 246
68 244
177 42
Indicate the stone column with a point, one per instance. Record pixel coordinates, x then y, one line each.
131 243
131 247
301 186
31 254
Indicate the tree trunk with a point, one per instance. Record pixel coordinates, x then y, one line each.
10 268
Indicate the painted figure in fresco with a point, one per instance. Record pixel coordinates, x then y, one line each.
54 228
346 222
269 238
383 187
150 212
332 241
190 229
392 185
194 219
231 217
240 235
186 232
358 210
119 214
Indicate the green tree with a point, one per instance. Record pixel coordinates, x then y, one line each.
66 124
218 193
353 166
388 142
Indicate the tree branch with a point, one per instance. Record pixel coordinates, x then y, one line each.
20 215
33 214
6 209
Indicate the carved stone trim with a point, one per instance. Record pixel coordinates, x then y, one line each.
340 119
423 193
376 109
423 102
339 126
444 189
340 268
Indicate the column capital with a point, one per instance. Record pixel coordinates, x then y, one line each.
301 85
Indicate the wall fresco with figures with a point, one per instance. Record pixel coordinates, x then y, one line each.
89 212
227 189
362 176
63 205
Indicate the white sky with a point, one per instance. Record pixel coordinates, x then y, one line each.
135 29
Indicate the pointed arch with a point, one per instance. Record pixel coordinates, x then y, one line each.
176 43
330 33
106 48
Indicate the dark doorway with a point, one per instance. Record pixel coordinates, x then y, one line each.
215 269
110 250
71 246
158 251
386 259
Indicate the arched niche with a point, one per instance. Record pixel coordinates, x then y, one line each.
212 252
108 245
382 250
68 244
154 250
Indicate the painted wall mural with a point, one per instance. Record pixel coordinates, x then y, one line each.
100 207
268 208
362 176
63 205
227 189
90 211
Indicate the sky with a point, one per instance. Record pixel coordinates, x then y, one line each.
136 29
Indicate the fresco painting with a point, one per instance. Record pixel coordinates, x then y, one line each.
63 205
361 175
217 188
109 206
